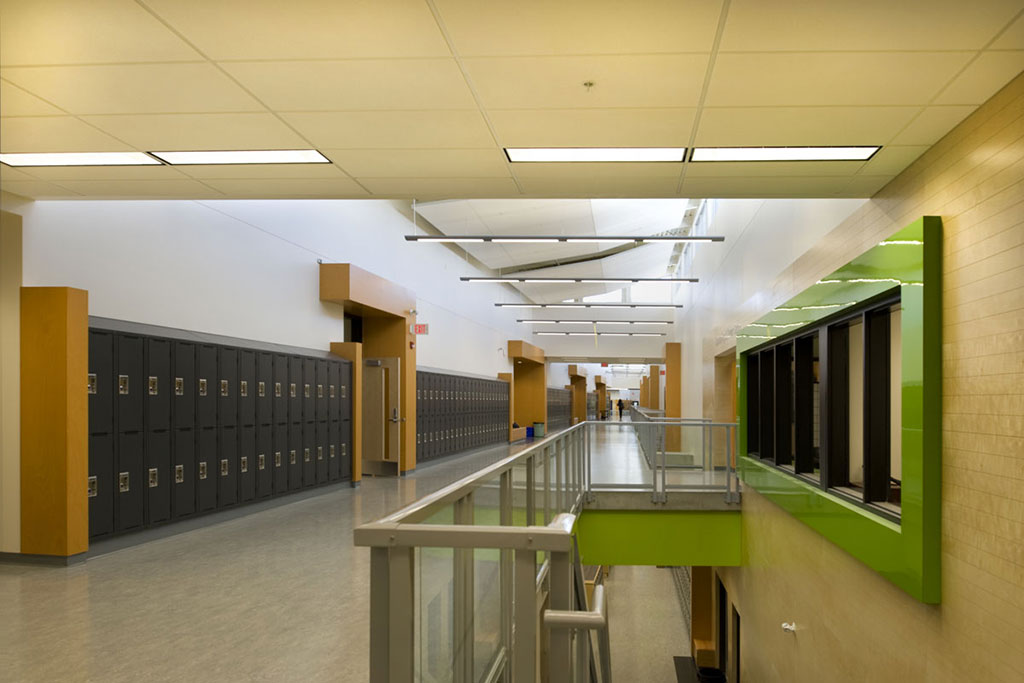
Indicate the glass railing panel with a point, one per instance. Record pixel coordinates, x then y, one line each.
487 610
436 643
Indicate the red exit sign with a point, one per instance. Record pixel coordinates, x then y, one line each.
421 328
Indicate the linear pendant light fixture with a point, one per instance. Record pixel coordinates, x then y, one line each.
581 305
701 154
584 280
593 322
600 334
554 239
594 154
80 159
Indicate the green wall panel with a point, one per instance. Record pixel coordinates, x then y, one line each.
908 552
660 537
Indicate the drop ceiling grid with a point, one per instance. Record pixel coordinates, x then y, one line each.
354 78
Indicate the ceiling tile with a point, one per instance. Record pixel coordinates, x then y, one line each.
600 187
113 189
76 32
35 189
16 102
62 173
831 78
541 27
582 171
760 186
720 169
343 85
932 124
421 163
201 171
892 160
392 129
169 132
10 173
1013 38
54 134
866 185
288 187
557 82
306 29
799 25
726 127
593 127
134 88
985 76
408 188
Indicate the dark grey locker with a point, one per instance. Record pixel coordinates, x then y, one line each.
183 405
206 386
129 480
294 457
158 384
227 467
322 453
183 474
227 387
294 389
333 390
320 391
101 382
206 470
264 461
158 479
345 454
308 389
102 484
130 385
247 390
280 389
264 389
334 451
308 454
345 390
247 463
279 459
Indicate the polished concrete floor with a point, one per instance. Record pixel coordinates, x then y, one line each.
277 595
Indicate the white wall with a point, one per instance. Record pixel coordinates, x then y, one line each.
249 269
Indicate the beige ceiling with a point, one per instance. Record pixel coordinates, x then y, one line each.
417 98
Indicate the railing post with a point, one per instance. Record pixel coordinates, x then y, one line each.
506 562
391 615
524 649
462 600
531 491
561 453
546 459
560 598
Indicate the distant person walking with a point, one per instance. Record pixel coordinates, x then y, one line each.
621 405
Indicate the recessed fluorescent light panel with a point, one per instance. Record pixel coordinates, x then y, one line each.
600 334
268 156
594 154
593 322
588 280
783 153
80 159
555 239
649 306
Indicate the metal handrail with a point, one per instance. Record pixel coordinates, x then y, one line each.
592 619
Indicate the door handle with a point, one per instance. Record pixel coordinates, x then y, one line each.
394 415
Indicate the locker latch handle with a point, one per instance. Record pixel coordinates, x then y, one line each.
261 461
93 487
202 387
305 455
154 386
122 385
154 477
224 388
179 386
332 450
92 383
319 452
261 389
224 468
277 458
243 388
179 474
202 470
244 464
123 482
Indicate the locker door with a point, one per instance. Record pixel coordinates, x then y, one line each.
227 467
279 460
248 468
333 393
308 454
206 470
184 473
264 461
345 456
158 384
294 457
101 382
206 390
345 390
227 387
130 383
264 389
308 389
247 390
323 453
320 391
333 451
183 405
280 389
294 391
129 480
159 480
102 483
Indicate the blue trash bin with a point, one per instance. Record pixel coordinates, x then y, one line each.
529 432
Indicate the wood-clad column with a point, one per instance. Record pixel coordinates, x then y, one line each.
673 392
654 388
529 393
578 381
10 384
54 421
353 351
